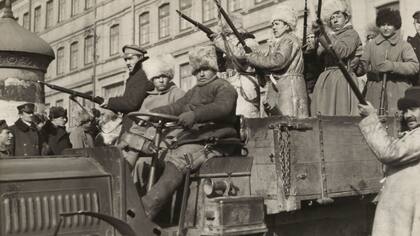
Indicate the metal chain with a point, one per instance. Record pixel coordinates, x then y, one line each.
284 147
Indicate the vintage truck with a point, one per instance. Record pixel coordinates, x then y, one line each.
313 176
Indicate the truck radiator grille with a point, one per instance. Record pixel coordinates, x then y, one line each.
34 213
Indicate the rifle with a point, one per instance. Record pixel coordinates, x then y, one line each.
305 23
97 99
383 92
232 26
328 46
200 26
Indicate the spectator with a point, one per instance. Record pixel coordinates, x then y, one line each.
6 139
80 136
57 137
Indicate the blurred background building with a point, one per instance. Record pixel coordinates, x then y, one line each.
87 35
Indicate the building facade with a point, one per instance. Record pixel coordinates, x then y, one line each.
87 35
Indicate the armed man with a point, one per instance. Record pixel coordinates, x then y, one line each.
415 42
207 111
397 212
136 86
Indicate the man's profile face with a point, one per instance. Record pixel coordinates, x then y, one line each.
131 60
27 117
6 137
161 82
412 117
417 25
204 74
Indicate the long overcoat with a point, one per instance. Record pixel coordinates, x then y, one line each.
405 66
415 43
282 60
135 92
398 210
332 94
26 139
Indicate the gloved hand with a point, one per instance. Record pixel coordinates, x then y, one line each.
385 66
366 110
186 119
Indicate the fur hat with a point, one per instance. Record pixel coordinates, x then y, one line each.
237 21
411 98
26 107
160 65
388 16
329 7
56 112
286 14
203 57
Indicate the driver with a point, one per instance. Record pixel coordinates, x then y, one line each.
206 111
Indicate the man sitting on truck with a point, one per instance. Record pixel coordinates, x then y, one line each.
207 111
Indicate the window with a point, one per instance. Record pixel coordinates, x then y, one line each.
60 61
49 14
25 21
164 21
185 7
59 103
75 7
144 28
209 10
37 19
114 40
114 90
233 5
62 10
74 55
88 50
187 81
89 4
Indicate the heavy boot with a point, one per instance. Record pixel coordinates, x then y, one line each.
156 198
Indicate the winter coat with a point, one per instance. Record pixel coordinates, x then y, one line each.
397 211
213 104
332 94
282 60
162 98
405 65
57 139
415 43
79 138
26 139
135 92
240 75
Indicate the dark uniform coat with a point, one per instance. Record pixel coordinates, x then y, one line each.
26 139
415 43
135 92
56 138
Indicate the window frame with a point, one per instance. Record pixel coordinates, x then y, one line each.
74 55
183 9
49 15
86 53
211 7
37 19
62 10
112 35
143 25
60 63
164 17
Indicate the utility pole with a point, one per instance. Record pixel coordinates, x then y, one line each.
95 38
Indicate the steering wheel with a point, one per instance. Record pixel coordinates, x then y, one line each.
137 116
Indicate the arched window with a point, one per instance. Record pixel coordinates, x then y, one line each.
164 21
144 28
114 32
88 52
60 61
74 55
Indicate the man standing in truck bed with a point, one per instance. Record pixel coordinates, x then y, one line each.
136 86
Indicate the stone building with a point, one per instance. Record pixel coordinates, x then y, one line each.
79 29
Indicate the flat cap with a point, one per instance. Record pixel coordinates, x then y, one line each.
56 112
27 108
133 49
416 15
3 125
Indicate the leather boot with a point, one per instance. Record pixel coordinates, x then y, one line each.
156 198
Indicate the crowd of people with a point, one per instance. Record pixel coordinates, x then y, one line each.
299 81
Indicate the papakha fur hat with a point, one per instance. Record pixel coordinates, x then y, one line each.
160 65
388 16
286 14
203 57
330 7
